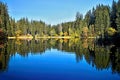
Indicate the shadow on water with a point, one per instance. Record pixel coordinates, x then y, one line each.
113 43
99 55
4 56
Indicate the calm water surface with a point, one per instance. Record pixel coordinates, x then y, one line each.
58 60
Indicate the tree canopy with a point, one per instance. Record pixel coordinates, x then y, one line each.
97 21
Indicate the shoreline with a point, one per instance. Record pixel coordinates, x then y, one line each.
50 37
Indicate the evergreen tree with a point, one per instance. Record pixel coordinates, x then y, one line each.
88 18
102 19
118 16
113 15
4 17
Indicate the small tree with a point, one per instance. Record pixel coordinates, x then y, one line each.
61 33
85 31
18 33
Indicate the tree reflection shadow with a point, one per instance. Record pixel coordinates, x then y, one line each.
99 56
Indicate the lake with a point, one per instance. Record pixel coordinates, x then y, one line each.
59 59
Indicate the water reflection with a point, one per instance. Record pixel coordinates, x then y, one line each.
99 56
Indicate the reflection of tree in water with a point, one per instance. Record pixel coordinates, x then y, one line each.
4 57
99 56
115 59
95 55
26 47
104 57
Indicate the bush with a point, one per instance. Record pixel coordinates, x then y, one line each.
111 31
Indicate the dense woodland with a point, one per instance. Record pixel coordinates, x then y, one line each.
101 21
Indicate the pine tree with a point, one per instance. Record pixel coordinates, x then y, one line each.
102 19
118 16
4 17
113 15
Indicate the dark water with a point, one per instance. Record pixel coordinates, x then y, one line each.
58 59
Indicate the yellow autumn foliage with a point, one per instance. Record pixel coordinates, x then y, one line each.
111 31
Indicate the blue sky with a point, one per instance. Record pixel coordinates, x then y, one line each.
51 11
